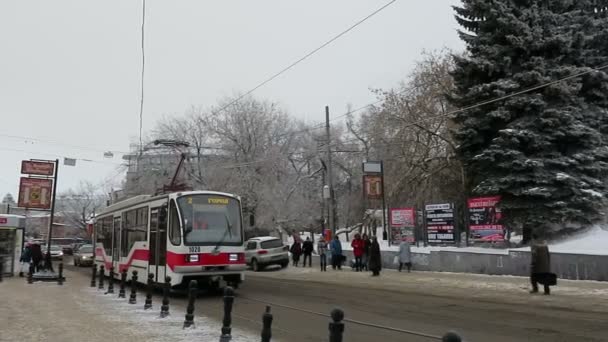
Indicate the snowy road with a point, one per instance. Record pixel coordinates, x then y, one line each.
481 308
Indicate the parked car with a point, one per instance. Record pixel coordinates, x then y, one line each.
56 252
264 251
84 256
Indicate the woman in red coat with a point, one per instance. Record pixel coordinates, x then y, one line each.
358 246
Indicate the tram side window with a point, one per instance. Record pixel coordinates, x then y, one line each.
174 232
105 236
135 228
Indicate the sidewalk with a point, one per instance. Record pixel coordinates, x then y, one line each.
583 295
45 311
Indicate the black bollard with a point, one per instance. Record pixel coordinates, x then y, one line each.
192 289
93 277
267 322
30 275
149 289
60 275
102 272
133 297
451 337
164 309
2 269
111 281
226 323
336 328
123 280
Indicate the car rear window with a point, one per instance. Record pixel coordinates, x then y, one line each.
276 243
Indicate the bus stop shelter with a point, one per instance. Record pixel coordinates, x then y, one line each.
12 229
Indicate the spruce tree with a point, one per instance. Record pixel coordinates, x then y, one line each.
544 151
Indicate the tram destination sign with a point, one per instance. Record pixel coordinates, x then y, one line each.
40 168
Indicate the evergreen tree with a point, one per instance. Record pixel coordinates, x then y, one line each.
544 151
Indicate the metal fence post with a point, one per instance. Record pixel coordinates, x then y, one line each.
164 309
227 321
111 280
93 280
336 328
101 275
451 337
60 275
123 280
149 289
267 322
189 321
133 297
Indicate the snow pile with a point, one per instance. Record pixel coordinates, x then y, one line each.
593 241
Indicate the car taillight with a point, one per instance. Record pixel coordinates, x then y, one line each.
262 251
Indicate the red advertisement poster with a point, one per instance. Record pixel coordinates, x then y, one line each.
483 219
402 223
37 168
35 193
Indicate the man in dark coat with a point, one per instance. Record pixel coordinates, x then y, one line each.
540 265
307 248
375 259
37 256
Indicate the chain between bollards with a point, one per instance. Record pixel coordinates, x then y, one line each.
111 281
149 289
93 280
133 297
192 289
266 324
60 275
336 327
101 275
164 309
227 321
123 281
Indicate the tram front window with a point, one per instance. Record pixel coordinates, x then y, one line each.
210 220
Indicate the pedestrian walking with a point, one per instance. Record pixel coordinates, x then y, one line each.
26 259
336 253
296 251
36 256
375 259
322 250
307 248
367 243
358 246
540 266
405 255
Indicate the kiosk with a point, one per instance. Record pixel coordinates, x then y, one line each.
12 229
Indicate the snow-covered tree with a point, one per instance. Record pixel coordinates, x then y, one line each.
544 150
9 199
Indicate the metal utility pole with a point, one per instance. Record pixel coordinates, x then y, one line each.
48 264
330 174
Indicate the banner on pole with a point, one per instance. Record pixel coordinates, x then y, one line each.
35 193
484 218
40 168
69 161
372 185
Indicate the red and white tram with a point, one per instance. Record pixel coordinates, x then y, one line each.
185 235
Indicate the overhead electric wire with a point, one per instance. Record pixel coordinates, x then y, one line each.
58 143
287 68
58 156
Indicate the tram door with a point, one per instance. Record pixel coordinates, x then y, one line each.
158 243
116 244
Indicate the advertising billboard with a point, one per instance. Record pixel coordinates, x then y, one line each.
440 223
372 185
35 193
483 219
402 225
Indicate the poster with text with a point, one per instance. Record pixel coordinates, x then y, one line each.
484 218
35 193
402 225
440 223
372 186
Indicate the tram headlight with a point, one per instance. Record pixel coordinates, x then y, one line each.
234 257
193 258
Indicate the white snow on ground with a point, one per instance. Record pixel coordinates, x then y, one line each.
591 242
163 329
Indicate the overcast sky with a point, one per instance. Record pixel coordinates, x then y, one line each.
70 70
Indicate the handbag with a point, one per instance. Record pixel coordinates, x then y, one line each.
549 279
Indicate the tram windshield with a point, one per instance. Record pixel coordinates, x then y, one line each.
210 220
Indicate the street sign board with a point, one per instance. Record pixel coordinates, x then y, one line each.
372 167
35 193
40 168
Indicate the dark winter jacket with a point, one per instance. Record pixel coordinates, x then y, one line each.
336 247
358 246
27 255
375 259
367 244
36 253
296 249
541 259
308 247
